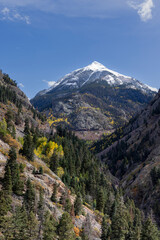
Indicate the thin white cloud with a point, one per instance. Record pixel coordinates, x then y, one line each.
21 85
73 8
13 15
144 9
82 8
5 11
19 17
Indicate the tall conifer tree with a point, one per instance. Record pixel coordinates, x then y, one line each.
29 197
49 228
65 228
150 231
78 205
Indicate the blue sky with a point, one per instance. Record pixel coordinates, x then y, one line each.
41 41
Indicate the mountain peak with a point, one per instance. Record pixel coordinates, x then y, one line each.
96 66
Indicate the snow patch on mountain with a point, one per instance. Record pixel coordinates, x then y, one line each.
152 89
96 66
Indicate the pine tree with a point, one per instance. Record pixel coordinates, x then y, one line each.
9 119
54 162
49 227
7 181
28 147
78 205
100 200
35 139
18 185
134 221
29 197
119 220
20 224
108 204
71 165
41 170
4 204
137 225
6 228
34 114
68 206
11 162
106 228
32 129
65 228
41 200
54 194
32 226
92 182
150 231
13 132
78 165
26 127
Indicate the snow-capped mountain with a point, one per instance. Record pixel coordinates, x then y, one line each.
94 99
96 72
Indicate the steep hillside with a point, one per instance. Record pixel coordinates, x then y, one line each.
43 182
29 189
133 155
93 100
12 97
28 152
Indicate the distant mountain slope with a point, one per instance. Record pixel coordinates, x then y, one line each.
135 157
94 98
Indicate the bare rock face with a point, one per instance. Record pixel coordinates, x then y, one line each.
90 119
